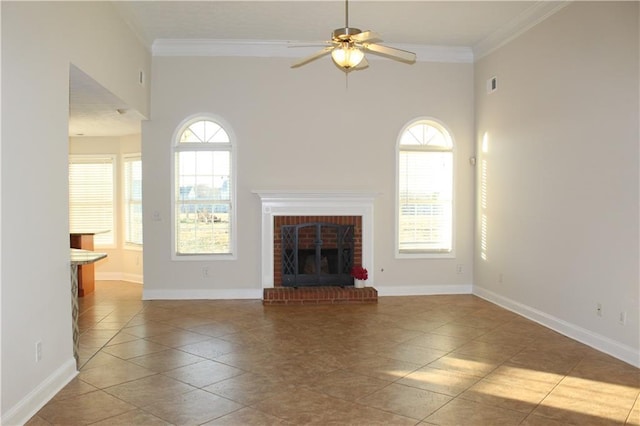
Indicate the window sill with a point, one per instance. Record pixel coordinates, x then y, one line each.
201 257
425 255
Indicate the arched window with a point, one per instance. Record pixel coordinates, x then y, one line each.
204 189
424 214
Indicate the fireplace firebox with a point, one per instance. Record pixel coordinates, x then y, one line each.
317 254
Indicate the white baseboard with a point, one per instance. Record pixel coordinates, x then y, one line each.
43 393
257 293
595 340
119 276
132 278
209 294
426 290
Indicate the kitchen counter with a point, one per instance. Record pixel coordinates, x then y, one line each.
79 258
83 239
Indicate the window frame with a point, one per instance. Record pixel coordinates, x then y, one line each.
426 253
231 147
127 245
114 191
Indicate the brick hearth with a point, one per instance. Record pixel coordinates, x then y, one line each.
319 295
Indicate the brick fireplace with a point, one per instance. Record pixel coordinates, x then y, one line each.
339 207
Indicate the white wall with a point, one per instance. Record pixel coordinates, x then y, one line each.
39 41
562 177
123 262
566 109
304 129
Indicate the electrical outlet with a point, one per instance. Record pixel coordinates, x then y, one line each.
622 318
205 272
38 351
599 309
459 269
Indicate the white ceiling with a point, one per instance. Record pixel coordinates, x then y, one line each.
478 26
441 23
94 111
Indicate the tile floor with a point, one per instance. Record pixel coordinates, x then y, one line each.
429 360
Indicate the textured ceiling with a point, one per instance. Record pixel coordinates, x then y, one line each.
443 23
476 25
94 111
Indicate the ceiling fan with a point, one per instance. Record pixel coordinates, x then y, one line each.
348 45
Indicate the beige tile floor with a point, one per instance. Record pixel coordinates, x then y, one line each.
429 360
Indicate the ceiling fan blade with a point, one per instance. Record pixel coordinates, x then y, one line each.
313 57
366 36
397 54
294 44
362 65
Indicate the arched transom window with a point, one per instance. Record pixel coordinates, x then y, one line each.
424 215
203 189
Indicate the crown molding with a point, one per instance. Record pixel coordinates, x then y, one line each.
286 49
531 17
521 24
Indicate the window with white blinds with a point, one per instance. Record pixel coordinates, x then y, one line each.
204 222
92 197
132 199
424 213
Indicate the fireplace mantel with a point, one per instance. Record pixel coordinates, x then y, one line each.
319 203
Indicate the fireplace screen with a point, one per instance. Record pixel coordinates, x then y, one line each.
317 254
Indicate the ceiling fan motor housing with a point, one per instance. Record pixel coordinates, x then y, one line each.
344 34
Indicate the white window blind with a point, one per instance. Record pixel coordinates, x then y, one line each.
133 200
91 197
425 190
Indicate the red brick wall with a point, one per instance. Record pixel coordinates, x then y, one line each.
278 221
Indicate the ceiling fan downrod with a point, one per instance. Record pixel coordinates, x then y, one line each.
344 34
346 13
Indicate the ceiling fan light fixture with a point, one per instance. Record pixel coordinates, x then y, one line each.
348 45
347 56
